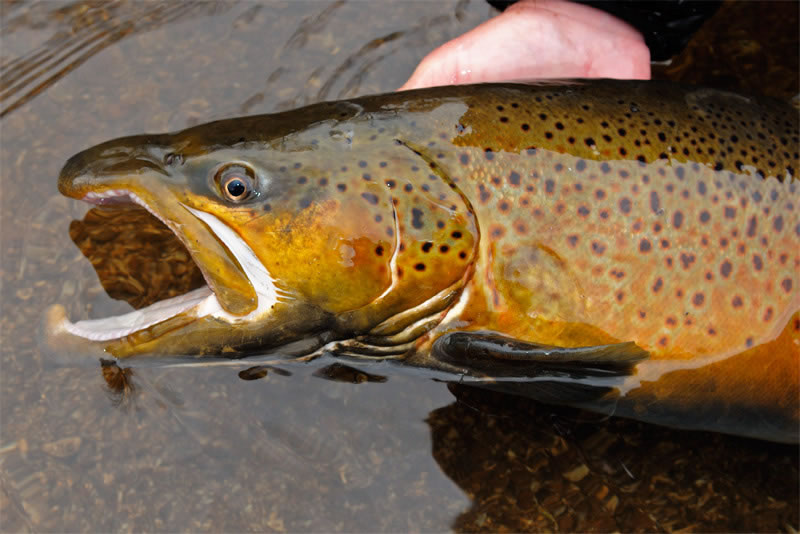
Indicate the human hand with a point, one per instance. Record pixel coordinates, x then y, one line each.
535 39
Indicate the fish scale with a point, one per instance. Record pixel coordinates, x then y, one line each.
629 247
679 224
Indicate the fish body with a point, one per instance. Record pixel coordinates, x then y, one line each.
630 247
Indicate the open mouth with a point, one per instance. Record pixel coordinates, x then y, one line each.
228 282
138 259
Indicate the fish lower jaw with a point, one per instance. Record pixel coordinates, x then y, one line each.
142 325
120 326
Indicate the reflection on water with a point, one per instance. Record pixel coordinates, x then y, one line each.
85 446
80 31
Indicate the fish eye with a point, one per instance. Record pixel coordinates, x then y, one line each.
236 182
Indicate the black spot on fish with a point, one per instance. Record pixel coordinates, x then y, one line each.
370 197
416 218
655 203
514 178
484 194
786 284
598 247
625 205
659 283
427 246
751 226
725 269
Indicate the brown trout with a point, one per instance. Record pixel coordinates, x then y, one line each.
628 247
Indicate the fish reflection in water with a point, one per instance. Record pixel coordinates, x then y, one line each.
627 247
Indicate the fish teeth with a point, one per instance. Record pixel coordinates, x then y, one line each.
94 197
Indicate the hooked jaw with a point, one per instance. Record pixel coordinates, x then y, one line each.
239 288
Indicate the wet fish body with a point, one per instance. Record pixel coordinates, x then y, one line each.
630 247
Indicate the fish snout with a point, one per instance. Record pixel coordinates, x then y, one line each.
105 163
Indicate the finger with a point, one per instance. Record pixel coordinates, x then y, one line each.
538 39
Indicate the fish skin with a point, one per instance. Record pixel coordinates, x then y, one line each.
574 214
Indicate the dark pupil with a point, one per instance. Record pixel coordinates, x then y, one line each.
236 188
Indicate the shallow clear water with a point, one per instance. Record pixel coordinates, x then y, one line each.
202 449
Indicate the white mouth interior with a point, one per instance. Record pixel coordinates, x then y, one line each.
201 302
122 325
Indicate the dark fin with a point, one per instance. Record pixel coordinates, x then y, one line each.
498 355
344 373
544 372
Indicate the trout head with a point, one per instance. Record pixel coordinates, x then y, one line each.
332 231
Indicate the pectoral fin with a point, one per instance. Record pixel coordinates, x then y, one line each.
544 372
